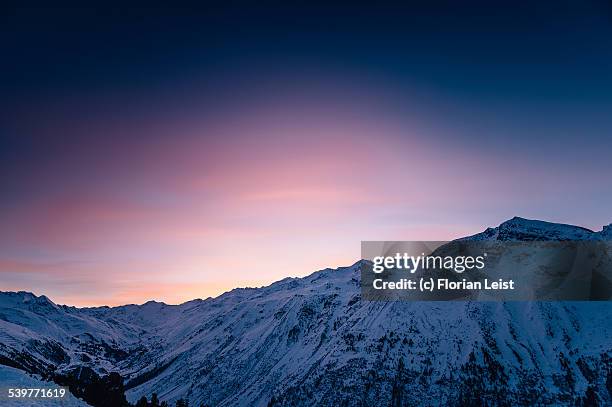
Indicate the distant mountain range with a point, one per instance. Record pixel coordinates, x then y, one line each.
312 341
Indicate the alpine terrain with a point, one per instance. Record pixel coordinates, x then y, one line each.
313 341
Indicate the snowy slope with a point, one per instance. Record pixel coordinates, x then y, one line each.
524 230
312 341
18 379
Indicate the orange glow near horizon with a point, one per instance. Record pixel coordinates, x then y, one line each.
244 199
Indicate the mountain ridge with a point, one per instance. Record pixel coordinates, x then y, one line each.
523 229
545 231
312 341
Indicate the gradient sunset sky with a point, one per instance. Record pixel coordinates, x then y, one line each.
173 154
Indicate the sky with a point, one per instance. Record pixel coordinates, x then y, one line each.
176 153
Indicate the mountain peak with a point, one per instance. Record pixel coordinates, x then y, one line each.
606 232
27 299
523 229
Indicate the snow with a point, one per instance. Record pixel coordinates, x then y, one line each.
15 378
521 229
312 341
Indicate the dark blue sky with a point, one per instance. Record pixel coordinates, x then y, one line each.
488 49
552 57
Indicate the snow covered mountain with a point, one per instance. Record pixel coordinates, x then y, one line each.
312 341
525 230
